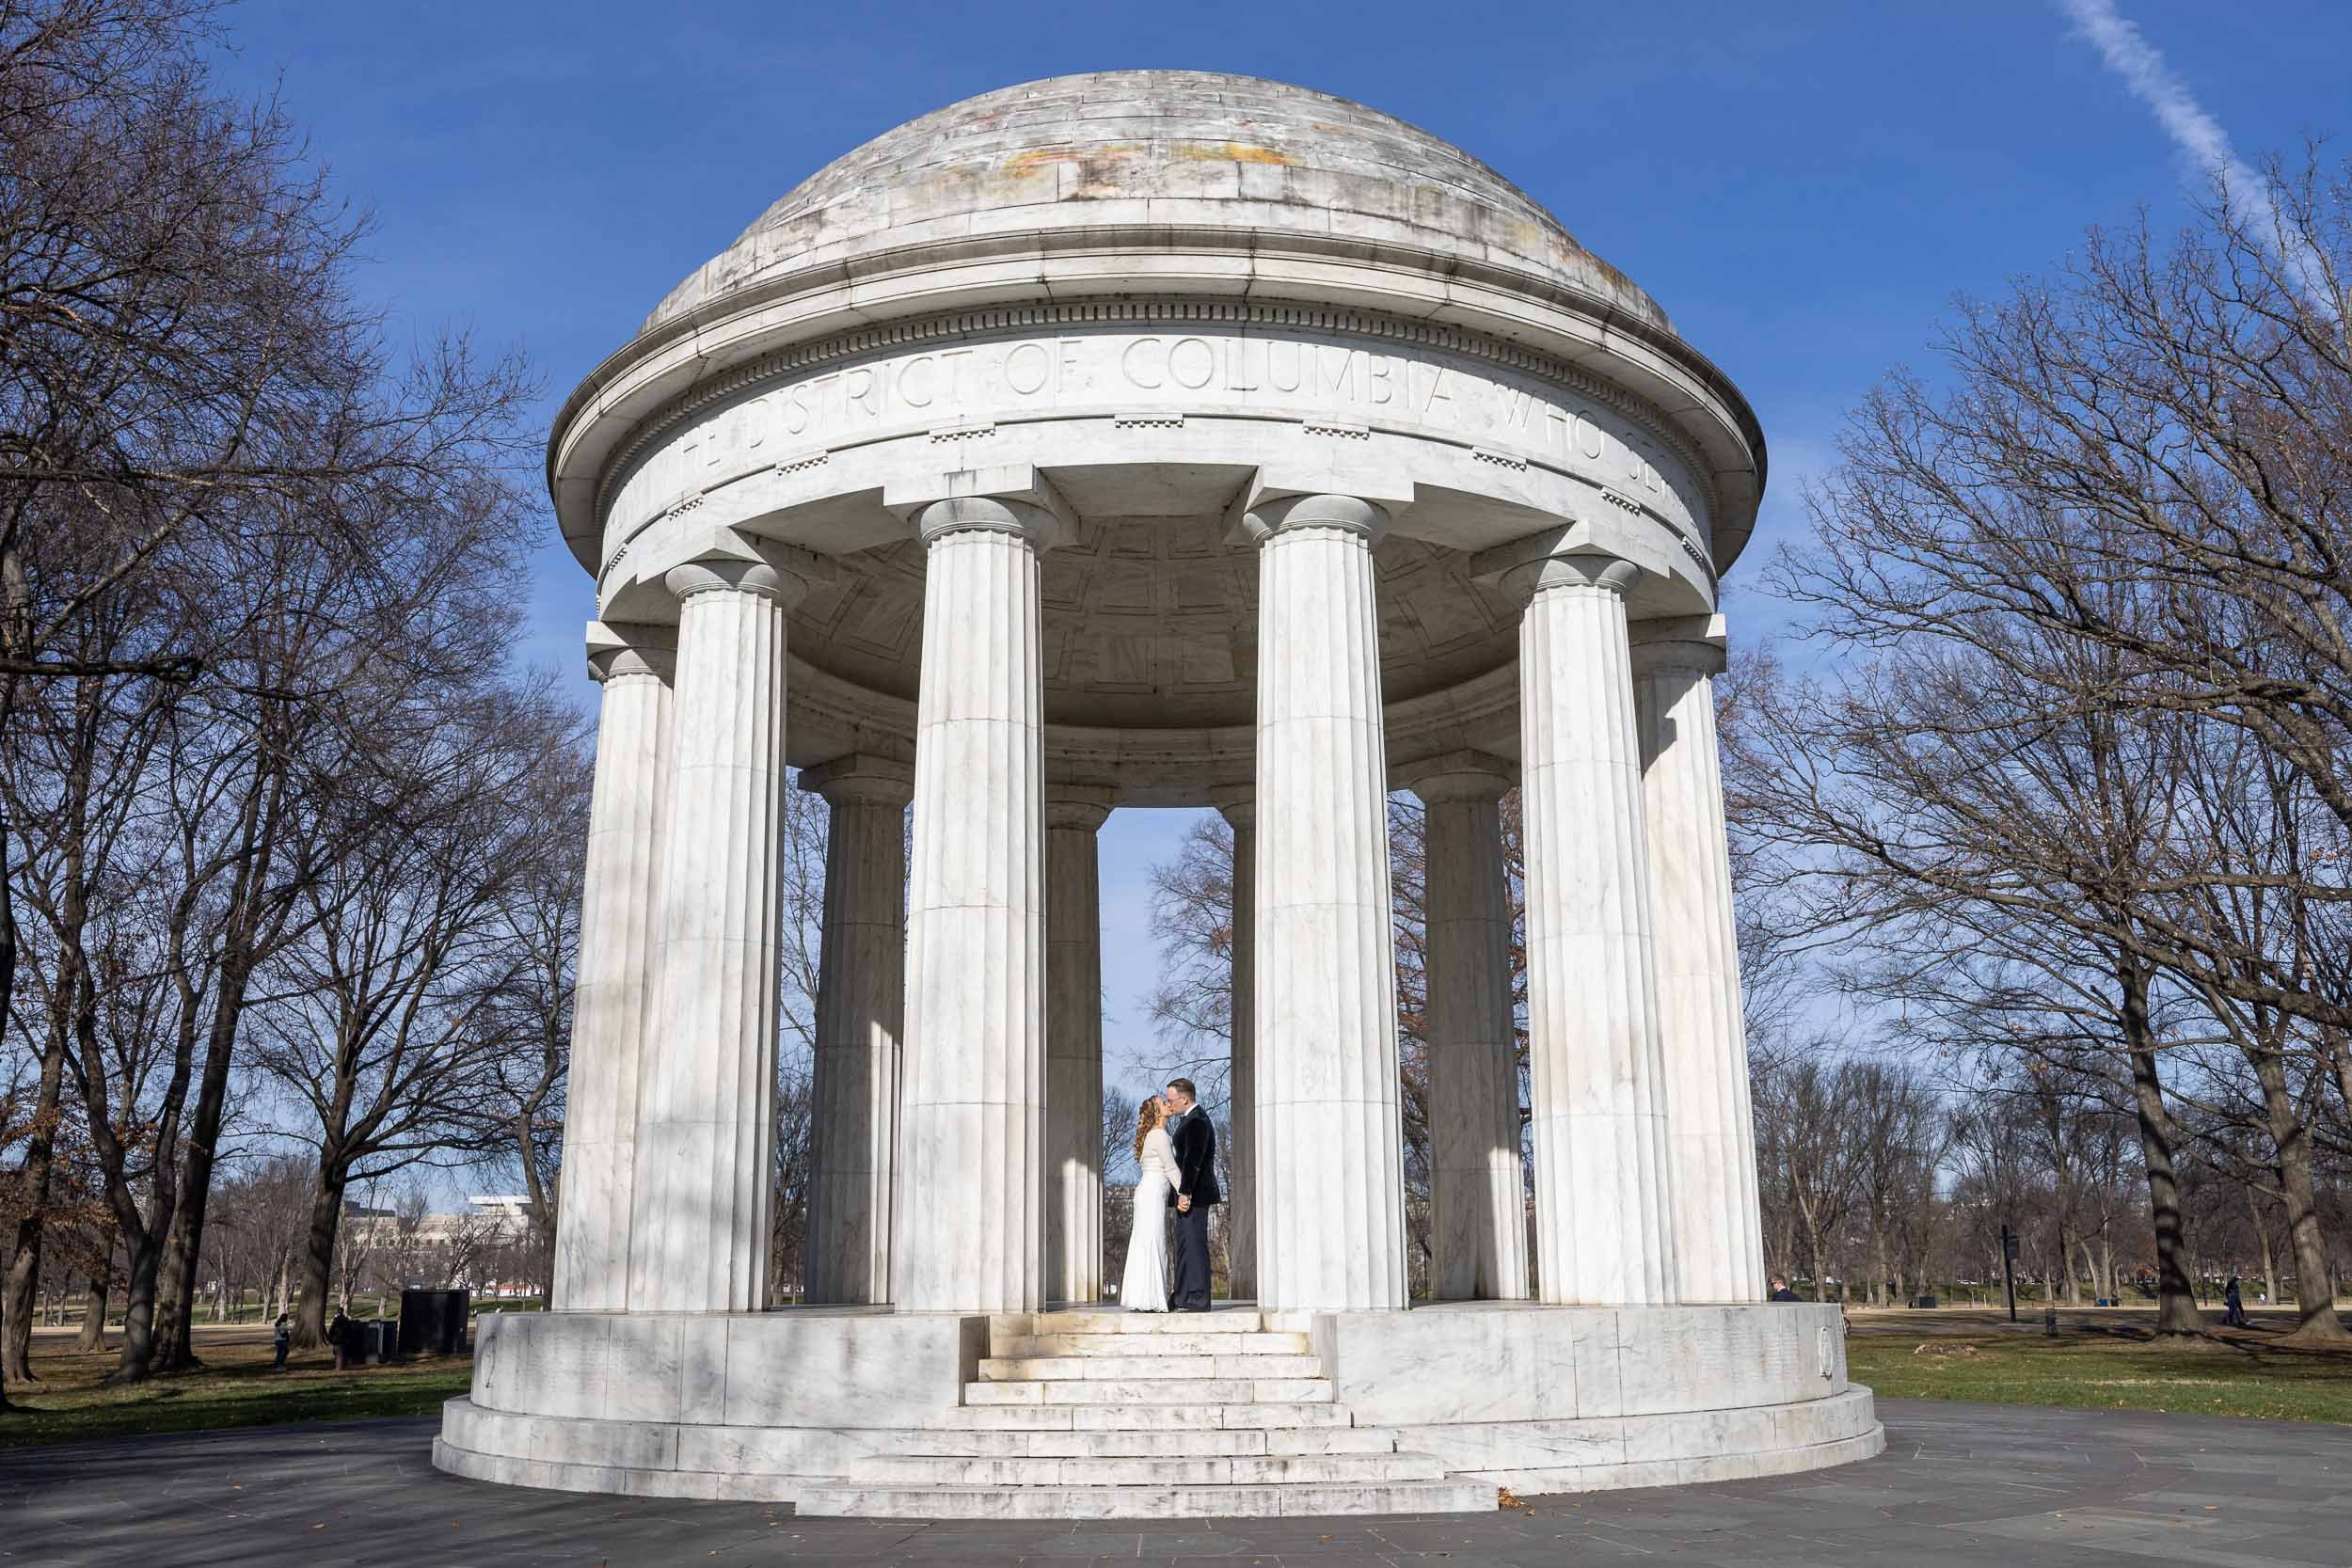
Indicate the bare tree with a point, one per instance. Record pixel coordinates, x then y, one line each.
384 1022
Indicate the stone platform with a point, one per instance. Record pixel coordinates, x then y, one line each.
1097 1414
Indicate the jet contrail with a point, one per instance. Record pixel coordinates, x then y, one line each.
2204 146
2128 52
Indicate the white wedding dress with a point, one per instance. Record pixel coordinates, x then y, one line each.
1145 1287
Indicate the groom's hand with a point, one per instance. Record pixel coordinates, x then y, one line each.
1184 1204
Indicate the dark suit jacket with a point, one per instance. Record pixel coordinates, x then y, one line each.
1195 1138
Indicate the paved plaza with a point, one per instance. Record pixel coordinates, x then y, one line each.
2009 1485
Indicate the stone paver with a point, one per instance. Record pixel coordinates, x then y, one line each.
2014 1487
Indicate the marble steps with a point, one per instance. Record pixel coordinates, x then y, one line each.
1110 1443
1050 1369
1152 1470
1148 1502
1143 1418
1240 1320
1151 1390
1212 1343
1119 1415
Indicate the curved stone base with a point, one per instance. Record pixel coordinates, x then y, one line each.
768 1406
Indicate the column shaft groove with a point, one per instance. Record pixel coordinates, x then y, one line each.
1711 1134
1330 1190
611 998
707 1092
1603 1232
971 1205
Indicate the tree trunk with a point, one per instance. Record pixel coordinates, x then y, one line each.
175 1349
2261 1239
2314 1275
318 1262
93 1335
240 954
138 1309
2176 1290
16 1309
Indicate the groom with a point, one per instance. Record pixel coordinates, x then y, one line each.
1189 1130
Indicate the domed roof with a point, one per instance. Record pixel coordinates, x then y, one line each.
1157 149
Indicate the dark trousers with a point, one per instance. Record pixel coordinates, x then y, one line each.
1190 1292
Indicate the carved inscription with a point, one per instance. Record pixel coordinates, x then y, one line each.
1327 384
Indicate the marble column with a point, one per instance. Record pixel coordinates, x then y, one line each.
1718 1231
1330 1178
706 1124
1073 1044
1239 809
633 664
970 1235
1477 1204
861 1000
1604 1235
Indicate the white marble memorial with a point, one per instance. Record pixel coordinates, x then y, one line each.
1157 438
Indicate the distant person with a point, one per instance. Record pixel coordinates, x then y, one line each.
338 1337
1781 1291
282 1337
2235 1300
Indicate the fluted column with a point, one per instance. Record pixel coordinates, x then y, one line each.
706 1094
1073 1044
861 1001
1239 809
616 964
1602 1203
1718 1231
1477 1219
970 1195
1330 1177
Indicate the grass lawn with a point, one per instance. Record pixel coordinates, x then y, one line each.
2100 1362
236 1389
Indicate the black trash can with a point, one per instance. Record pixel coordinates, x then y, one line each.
433 1323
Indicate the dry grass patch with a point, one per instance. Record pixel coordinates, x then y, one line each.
236 1388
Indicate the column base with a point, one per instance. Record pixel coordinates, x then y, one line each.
1082 1414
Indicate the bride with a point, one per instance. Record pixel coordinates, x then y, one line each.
1145 1288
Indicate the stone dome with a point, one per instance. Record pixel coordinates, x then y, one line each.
1126 150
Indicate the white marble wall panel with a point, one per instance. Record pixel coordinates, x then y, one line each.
861 1000
1464 1363
1598 1104
603 1365
1719 1246
618 935
790 1369
1330 1215
1513 1361
969 1233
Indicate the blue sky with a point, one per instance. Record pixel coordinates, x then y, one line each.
1803 187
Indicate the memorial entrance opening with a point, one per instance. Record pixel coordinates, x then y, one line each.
1157 438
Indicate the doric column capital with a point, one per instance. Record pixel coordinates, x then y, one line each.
1693 642
619 648
1584 569
1237 804
1082 807
1465 775
781 572
1026 521
861 779
1349 514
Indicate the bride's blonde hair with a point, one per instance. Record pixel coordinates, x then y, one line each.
1148 1116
